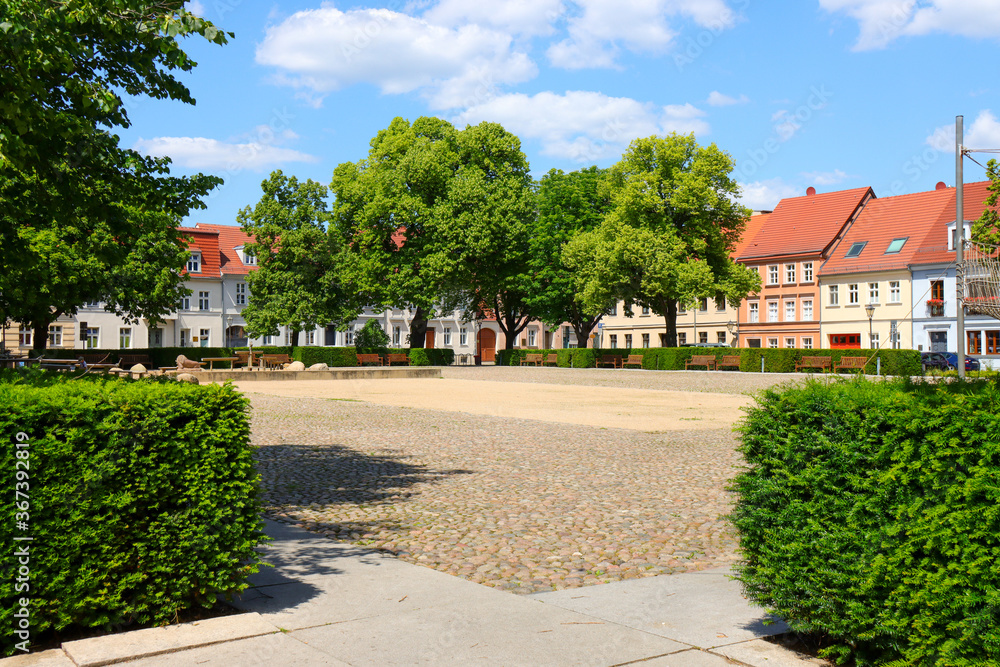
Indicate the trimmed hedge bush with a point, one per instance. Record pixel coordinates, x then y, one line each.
331 356
430 357
870 511
141 499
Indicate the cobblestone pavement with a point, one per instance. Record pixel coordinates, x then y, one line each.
522 505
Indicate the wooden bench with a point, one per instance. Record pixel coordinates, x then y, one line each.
613 360
364 358
633 360
552 358
822 363
96 361
533 359
852 363
126 361
245 357
275 360
706 360
729 360
397 358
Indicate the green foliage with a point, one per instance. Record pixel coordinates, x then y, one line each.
431 357
334 357
143 498
371 339
869 512
987 228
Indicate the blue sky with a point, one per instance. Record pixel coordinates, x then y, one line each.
827 93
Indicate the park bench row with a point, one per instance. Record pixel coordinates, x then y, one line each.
709 361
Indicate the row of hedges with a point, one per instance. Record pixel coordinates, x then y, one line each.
870 512
893 362
141 499
331 356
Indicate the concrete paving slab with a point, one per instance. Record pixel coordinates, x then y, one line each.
53 658
153 641
705 609
759 653
508 630
265 651
693 658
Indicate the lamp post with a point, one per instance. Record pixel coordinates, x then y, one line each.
229 331
734 331
870 310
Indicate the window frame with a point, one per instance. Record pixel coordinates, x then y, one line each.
855 250
902 242
873 293
807 305
807 272
124 339
55 335
194 262
834 296
753 312
790 273
895 291
204 302
773 274
853 294
773 311
241 294
790 307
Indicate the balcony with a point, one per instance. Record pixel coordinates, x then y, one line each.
935 307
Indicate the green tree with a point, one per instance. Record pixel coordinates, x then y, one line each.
987 228
372 339
297 283
568 205
667 239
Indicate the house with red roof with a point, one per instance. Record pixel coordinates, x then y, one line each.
789 251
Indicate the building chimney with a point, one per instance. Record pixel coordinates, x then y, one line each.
810 191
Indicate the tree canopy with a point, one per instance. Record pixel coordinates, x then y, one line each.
987 228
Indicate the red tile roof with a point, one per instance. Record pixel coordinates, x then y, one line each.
805 225
229 238
909 216
207 243
934 246
754 225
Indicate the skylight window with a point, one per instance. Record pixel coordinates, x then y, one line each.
856 249
896 245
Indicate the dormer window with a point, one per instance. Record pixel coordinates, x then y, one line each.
856 249
896 246
953 236
248 258
194 263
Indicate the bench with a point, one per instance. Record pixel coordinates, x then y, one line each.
729 360
633 360
822 363
275 360
96 361
245 357
551 359
369 359
397 358
613 360
706 360
130 360
852 363
533 359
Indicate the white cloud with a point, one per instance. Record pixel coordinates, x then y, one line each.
584 126
717 99
825 177
324 49
599 28
765 195
519 17
984 132
195 7
211 154
882 21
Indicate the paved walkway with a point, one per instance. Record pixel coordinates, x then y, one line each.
328 603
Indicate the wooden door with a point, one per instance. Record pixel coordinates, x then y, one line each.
486 346
429 339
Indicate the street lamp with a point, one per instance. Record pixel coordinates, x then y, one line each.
229 331
870 310
734 331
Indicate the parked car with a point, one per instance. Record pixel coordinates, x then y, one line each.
947 361
971 363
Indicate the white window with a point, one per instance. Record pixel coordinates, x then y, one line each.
463 336
789 273
247 257
24 338
872 292
790 343
807 343
349 336
202 300
241 294
645 340
268 339
125 338
772 311
92 339
834 295
720 303
628 341
614 341
185 335
185 303
807 272
875 339
397 335
614 309
895 295
772 275
203 337
852 294
807 309
194 263
532 337
703 305
772 343
447 335
702 336
682 338
789 311
721 337
754 312
645 310
311 337
55 335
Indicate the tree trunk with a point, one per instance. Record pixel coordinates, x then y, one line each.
584 328
39 336
418 329
670 315
295 337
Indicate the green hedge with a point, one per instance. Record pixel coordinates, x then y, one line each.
142 499
430 357
870 512
331 356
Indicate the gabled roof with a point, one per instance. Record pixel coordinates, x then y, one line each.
206 243
881 222
229 238
934 246
805 225
754 224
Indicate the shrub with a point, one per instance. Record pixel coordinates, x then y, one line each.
372 339
331 356
870 511
143 498
431 356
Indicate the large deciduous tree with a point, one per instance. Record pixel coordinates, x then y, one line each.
296 283
674 220
568 205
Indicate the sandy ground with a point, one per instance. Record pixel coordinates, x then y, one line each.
648 410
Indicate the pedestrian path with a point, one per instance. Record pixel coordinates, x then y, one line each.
330 603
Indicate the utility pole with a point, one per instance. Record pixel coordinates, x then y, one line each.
960 242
